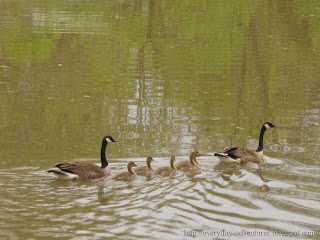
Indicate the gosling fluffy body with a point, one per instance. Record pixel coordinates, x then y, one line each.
167 171
191 164
125 176
145 171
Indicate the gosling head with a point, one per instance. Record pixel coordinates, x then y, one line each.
194 153
269 125
109 139
149 160
131 165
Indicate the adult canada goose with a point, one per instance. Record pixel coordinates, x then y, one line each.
244 155
166 171
190 164
83 170
145 171
125 176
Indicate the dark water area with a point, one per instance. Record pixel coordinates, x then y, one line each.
163 78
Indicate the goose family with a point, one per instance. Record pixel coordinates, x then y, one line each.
245 155
83 170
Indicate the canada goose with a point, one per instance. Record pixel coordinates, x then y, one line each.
190 164
145 171
244 155
166 171
83 170
125 176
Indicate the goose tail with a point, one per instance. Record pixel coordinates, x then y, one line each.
62 174
221 155
224 157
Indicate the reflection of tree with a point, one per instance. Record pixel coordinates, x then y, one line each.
175 65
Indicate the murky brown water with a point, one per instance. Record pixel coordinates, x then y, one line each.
163 78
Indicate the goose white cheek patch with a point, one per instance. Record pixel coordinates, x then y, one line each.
108 140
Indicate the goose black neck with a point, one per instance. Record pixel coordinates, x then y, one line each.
104 162
260 147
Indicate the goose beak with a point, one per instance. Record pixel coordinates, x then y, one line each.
114 140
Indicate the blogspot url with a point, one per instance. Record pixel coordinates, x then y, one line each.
227 234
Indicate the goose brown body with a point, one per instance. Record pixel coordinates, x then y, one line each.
191 164
83 170
125 176
243 155
147 170
166 171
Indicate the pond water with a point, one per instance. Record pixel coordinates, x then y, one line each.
163 78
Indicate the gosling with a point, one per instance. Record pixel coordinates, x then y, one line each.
145 171
191 164
167 171
125 176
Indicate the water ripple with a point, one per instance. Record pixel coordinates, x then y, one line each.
215 197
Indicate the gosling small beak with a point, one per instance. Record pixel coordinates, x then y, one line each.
152 160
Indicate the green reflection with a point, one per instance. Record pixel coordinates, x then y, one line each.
165 76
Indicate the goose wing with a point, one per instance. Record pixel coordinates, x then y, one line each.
246 155
237 152
83 170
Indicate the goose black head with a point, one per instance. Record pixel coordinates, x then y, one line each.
109 139
269 125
